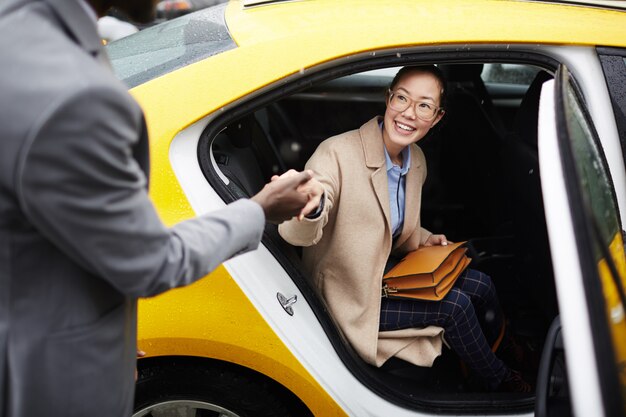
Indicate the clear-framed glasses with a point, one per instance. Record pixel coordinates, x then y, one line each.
400 101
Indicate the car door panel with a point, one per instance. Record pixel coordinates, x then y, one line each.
585 230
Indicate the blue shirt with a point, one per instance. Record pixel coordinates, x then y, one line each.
396 181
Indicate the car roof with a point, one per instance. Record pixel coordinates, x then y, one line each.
442 21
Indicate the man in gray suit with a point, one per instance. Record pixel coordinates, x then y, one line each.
79 239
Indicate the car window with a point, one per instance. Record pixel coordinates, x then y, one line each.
509 74
608 246
165 47
495 73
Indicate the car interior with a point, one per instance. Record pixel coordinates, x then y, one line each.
483 186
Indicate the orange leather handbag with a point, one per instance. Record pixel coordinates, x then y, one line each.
427 273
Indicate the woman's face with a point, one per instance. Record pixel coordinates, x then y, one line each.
401 128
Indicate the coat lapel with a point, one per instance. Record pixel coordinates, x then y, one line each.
372 141
379 182
80 27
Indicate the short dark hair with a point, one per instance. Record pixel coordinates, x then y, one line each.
427 69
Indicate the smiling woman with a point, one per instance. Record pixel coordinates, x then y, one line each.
408 120
348 246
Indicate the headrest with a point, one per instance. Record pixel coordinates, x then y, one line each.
528 114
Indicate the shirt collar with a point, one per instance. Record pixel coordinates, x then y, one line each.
406 158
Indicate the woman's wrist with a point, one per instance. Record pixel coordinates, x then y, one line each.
318 211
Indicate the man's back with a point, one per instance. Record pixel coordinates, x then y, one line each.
80 240
52 304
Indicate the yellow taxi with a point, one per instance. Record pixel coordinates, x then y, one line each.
528 166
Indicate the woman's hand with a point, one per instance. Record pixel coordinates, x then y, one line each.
434 240
313 189
281 199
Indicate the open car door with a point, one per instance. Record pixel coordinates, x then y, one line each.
583 369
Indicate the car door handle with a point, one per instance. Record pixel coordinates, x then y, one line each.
287 303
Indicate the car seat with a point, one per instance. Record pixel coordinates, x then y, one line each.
522 161
467 77
246 156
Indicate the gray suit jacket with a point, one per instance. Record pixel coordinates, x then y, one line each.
79 238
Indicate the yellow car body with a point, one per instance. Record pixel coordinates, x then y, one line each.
281 41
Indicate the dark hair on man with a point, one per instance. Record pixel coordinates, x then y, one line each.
427 69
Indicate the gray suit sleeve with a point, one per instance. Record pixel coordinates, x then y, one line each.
80 186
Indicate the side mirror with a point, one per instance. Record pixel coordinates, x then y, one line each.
552 398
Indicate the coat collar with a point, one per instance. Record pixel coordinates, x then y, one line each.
372 141
78 25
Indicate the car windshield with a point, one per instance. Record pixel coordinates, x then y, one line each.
165 47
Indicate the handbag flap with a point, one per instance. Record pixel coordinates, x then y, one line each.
433 293
428 263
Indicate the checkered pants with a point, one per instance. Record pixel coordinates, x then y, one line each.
469 313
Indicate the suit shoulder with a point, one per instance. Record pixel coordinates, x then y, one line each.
53 63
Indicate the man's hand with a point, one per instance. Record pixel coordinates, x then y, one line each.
434 240
282 199
312 188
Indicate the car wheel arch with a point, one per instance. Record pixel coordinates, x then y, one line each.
231 377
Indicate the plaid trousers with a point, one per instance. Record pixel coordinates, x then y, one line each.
470 314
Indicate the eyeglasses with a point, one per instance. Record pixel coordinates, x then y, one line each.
423 109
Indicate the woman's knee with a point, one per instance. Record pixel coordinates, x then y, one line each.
479 284
458 303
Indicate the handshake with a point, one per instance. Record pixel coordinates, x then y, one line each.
288 195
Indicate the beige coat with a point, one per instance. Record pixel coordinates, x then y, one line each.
347 246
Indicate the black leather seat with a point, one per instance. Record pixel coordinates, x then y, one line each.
246 156
465 190
467 78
